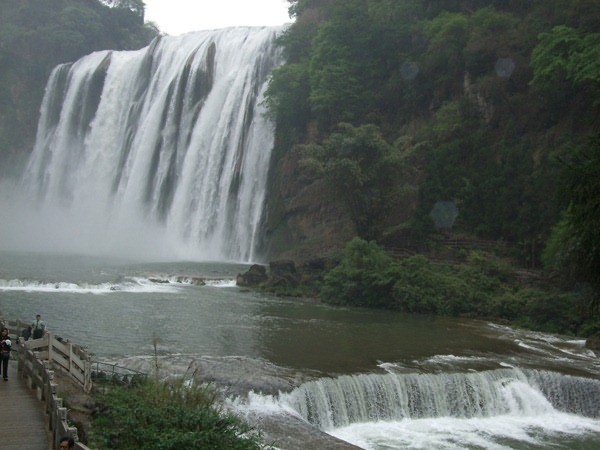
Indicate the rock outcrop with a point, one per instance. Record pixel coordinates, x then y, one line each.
305 221
254 277
593 342
283 274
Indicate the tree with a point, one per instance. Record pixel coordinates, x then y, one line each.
569 53
363 170
575 244
136 6
363 277
343 70
447 36
575 56
287 97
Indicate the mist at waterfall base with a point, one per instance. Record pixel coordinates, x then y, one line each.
160 153
53 228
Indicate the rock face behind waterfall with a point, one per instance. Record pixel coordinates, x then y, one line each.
305 221
166 148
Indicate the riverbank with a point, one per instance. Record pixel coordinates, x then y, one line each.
454 282
284 431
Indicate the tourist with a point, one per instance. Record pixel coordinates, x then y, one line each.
66 443
38 327
5 344
26 333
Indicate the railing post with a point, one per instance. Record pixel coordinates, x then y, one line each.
49 337
70 357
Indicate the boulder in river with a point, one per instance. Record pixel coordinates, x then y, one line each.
255 276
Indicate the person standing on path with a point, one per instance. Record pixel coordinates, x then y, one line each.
38 327
5 344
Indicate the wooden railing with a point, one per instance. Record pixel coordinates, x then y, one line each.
37 360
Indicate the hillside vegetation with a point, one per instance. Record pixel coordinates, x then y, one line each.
476 119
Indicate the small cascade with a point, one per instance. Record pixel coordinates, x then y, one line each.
567 393
329 403
166 147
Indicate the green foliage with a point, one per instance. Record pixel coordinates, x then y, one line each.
349 55
168 416
551 312
429 73
422 288
491 36
135 6
492 93
361 279
363 170
572 55
569 53
557 254
447 36
343 72
575 244
481 287
287 97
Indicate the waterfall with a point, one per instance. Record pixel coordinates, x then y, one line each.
336 402
160 151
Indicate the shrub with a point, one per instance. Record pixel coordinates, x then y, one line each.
363 277
422 288
164 416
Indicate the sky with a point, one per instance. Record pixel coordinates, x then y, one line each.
175 17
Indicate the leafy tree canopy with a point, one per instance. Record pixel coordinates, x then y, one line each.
362 169
569 53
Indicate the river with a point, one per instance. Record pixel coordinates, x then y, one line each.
377 379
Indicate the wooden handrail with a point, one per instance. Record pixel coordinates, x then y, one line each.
36 360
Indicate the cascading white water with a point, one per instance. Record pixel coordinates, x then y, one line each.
329 403
162 151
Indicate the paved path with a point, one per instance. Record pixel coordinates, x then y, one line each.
22 421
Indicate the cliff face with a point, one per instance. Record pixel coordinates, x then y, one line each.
304 219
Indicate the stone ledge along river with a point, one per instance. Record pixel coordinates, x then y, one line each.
374 379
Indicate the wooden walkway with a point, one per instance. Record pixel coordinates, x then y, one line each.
22 418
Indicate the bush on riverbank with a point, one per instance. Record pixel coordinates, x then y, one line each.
481 287
167 416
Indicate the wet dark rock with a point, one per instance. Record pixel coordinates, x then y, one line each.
283 274
255 276
158 280
593 342
196 281
316 265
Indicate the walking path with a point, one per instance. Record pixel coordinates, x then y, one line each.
22 419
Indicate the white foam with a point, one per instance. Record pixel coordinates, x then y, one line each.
452 359
262 404
133 285
457 433
221 283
